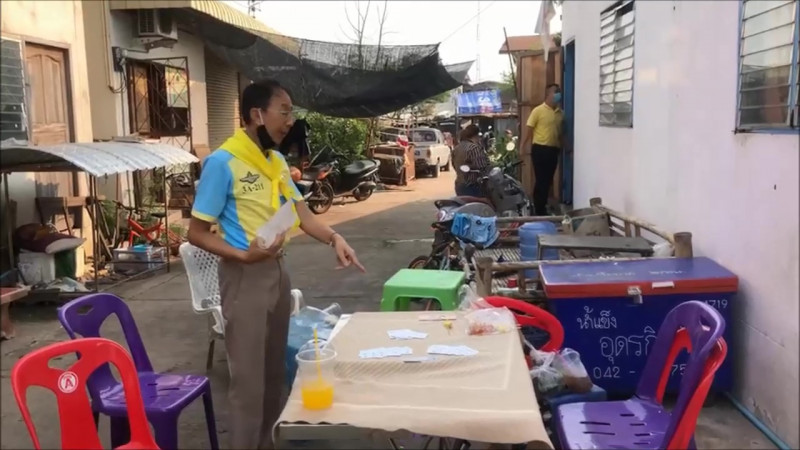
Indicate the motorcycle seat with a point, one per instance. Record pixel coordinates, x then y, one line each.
461 201
360 167
312 173
470 199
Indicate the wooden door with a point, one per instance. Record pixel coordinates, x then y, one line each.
46 71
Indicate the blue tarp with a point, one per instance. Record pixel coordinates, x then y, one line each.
479 102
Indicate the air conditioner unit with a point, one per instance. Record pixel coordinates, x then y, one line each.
157 23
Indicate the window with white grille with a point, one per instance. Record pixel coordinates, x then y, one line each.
616 64
769 88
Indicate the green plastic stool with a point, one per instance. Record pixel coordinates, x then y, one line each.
441 285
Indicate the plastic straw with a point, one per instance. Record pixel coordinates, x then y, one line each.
316 354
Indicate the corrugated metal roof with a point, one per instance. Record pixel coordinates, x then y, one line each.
213 8
96 158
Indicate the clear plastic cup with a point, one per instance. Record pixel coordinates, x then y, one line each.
315 377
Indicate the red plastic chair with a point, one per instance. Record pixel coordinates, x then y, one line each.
75 411
684 432
528 315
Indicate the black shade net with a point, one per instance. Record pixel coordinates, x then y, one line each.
341 80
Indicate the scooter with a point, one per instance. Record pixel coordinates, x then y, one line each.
321 183
504 194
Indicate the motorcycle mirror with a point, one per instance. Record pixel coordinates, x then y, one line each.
464 168
510 147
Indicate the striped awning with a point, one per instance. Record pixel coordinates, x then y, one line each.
96 158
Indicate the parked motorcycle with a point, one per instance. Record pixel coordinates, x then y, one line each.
322 182
504 194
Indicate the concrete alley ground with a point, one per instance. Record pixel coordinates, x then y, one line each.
387 231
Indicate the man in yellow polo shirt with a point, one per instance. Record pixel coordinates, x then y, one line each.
544 125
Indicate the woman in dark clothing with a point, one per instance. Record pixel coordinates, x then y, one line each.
470 153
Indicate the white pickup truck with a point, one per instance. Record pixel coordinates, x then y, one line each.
430 150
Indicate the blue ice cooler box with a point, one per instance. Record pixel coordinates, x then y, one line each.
611 312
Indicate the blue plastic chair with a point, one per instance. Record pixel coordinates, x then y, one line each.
164 395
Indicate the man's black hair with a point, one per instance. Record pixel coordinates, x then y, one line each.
257 95
552 85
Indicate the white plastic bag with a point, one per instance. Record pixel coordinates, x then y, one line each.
568 362
539 357
486 321
470 300
280 223
662 250
547 379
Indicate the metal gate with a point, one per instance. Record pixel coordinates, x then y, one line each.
159 105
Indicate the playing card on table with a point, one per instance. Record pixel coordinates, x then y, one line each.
406 334
383 352
453 350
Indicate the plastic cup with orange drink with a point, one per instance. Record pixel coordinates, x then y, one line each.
315 375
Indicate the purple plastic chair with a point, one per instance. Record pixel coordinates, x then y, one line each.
164 395
642 422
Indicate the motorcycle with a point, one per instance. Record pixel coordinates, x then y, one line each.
505 196
321 182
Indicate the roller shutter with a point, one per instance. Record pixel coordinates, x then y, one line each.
222 96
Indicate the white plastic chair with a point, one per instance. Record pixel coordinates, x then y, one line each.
201 270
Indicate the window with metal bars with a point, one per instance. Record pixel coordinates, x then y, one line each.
616 64
13 119
769 67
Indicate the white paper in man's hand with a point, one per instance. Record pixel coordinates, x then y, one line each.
281 222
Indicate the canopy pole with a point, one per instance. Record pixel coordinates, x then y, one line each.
95 231
166 220
7 221
517 92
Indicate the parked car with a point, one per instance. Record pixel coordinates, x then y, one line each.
431 153
394 135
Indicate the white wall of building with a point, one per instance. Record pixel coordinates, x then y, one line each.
682 167
111 112
55 24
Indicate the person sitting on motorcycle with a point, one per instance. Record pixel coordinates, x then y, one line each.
469 153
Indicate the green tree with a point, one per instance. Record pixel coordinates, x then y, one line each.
507 84
346 136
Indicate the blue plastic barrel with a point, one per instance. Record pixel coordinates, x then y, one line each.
529 243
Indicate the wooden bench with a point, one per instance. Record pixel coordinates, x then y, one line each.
614 244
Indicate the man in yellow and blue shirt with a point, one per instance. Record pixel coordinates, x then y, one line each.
242 185
232 193
544 126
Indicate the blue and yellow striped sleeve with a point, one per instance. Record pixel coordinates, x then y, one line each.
215 184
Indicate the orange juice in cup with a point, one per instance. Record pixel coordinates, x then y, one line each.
317 394
315 376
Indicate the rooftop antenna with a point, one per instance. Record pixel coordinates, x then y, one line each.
478 45
253 6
